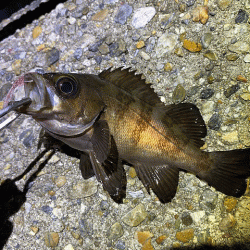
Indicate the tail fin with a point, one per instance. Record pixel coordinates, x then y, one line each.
229 171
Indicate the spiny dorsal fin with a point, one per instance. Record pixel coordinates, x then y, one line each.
133 84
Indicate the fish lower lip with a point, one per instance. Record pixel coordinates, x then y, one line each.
35 90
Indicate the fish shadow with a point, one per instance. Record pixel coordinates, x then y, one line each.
237 246
12 198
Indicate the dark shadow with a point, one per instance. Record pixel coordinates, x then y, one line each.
12 198
11 6
245 246
30 16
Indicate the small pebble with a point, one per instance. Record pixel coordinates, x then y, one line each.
192 91
98 59
142 16
71 6
241 78
210 79
185 235
245 96
214 122
182 7
166 44
83 189
242 16
206 40
227 223
168 67
190 3
161 239
247 58
233 57
116 231
52 56
135 216
78 53
123 13
100 16
208 199
179 94
200 13
85 10
224 4
71 20
231 90
104 205
150 44
68 247
34 230
142 237
54 159
36 32
239 47
94 47
144 55
179 52
16 66
120 245
113 47
104 49
207 107
203 238
186 219
60 181
4 90
230 203
210 55
206 93
51 239
191 46
140 44
197 216
47 209
230 137
132 172
27 137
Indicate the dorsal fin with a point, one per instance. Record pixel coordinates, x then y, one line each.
185 121
133 84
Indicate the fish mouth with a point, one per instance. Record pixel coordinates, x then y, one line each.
33 86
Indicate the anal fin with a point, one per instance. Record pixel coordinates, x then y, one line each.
163 180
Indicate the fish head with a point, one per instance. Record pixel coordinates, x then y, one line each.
64 104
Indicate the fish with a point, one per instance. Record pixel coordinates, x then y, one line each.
116 118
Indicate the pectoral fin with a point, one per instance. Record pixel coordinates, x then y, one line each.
86 166
101 140
111 173
163 180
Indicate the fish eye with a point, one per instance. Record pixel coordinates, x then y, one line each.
67 86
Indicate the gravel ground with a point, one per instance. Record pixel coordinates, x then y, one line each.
191 51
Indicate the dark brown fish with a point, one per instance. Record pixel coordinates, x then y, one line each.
115 117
